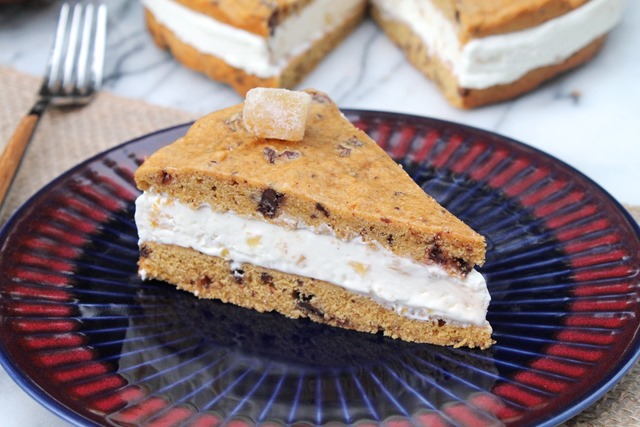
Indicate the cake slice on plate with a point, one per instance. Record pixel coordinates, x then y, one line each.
328 227
484 51
250 43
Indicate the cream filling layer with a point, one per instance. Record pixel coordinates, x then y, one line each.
261 56
411 289
504 58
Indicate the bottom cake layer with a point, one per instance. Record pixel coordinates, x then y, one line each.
418 54
217 69
294 296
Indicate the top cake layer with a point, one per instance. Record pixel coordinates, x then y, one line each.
335 180
481 18
255 16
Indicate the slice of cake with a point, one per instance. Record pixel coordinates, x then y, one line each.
484 51
250 43
328 227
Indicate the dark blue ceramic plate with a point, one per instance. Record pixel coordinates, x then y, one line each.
88 340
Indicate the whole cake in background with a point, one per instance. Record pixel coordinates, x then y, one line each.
252 43
484 51
281 204
477 52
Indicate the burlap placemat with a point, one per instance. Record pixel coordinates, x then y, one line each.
65 138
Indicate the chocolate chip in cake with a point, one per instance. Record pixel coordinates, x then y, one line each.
435 253
343 151
205 282
266 278
273 156
309 309
322 209
166 178
457 265
354 142
390 239
290 155
441 323
270 154
238 274
145 251
270 202
234 122
303 303
299 296
463 266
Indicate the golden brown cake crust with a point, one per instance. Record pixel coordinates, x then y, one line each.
294 296
432 67
256 16
481 18
336 177
241 81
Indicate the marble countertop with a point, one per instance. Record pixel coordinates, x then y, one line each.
586 118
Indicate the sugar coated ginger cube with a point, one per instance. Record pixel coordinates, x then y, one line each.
276 113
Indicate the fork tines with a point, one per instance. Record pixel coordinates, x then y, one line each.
77 58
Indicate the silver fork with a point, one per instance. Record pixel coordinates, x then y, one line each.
72 77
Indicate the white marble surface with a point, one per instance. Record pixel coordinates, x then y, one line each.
588 118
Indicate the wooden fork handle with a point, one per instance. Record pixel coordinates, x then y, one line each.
11 157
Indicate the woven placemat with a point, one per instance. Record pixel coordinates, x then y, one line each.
65 138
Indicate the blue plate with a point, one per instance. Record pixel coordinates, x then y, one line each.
86 338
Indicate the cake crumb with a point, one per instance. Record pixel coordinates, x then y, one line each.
276 113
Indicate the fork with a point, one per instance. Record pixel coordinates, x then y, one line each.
73 75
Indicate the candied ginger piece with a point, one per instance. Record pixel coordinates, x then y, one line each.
276 113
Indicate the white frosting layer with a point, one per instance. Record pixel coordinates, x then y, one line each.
262 56
504 58
411 289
